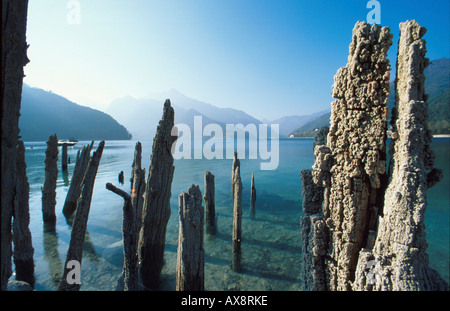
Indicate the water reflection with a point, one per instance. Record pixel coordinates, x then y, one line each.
51 255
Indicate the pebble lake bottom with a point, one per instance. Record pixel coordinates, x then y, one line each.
271 243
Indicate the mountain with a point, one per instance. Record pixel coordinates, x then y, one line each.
289 124
44 113
309 128
437 86
141 116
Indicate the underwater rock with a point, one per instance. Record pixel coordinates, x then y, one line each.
18 286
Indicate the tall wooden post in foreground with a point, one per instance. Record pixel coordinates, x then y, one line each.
237 220
49 189
191 254
210 206
75 251
14 58
156 209
23 248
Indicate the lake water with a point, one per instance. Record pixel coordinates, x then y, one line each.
271 243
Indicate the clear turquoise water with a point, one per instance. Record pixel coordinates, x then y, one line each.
271 242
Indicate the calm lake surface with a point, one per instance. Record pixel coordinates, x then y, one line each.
271 243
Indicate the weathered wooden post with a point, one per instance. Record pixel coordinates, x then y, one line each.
191 254
23 248
49 189
75 251
137 186
252 198
121 178
79 171
209 204
64 157
156 209
237 220
130 235
236 163
14 58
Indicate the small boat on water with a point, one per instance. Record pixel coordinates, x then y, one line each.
68 142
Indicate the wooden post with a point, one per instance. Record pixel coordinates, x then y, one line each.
14 58
75 251
49 189
236 163
191 254
130 235
23 248
209 204
121 178
156 209
64 157
237 220
79 171
137 186
252 198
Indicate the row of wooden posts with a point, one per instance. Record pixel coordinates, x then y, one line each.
146 211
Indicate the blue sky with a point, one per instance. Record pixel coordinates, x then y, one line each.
270 58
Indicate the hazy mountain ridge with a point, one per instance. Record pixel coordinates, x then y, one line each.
437 86
141 116
44 113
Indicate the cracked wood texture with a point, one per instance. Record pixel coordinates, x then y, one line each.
156 209
75 251
210 208
14 58
190 273
49 189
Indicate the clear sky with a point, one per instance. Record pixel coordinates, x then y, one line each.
270 58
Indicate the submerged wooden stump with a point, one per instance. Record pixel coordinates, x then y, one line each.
236 163
49 189
64 157
209 204
79 171
137 186
130 262
191 254
156 209
237 220
23 248
252 198
75 251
